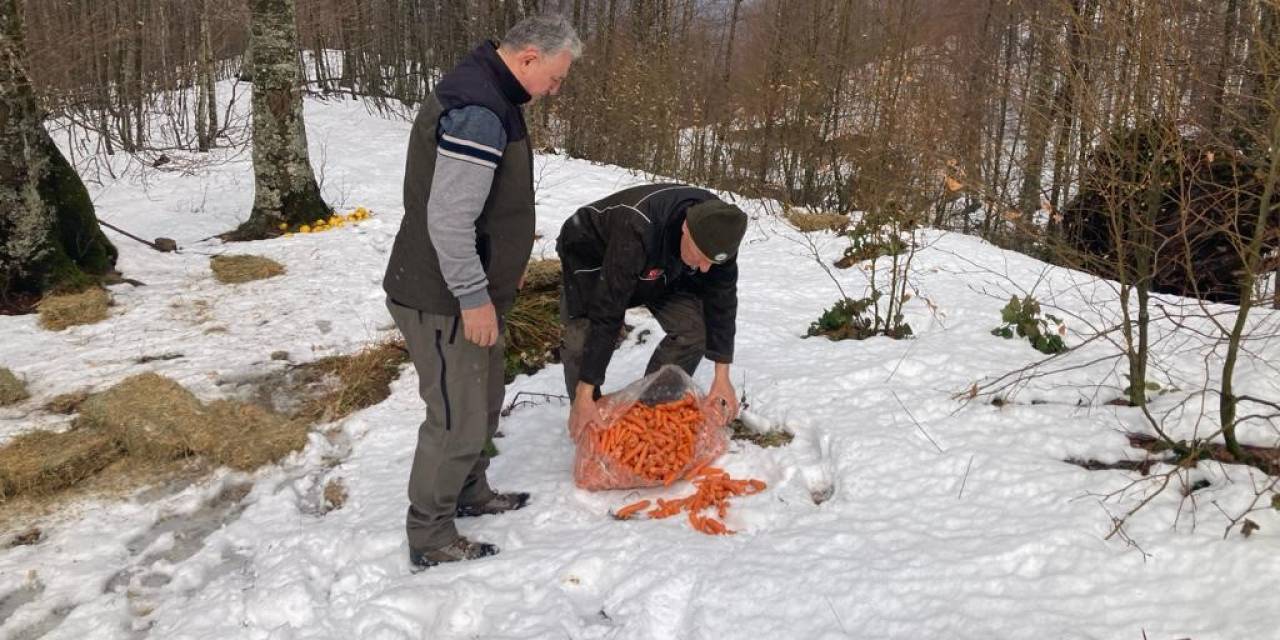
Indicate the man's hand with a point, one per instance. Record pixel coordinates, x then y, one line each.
585 410
480 325
722 400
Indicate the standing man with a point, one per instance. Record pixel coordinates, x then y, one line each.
457 262
669 247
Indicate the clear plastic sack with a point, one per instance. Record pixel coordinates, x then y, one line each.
653 432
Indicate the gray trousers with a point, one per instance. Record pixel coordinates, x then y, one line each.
680 316
462 385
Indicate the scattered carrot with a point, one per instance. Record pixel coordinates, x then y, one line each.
631 509
714 487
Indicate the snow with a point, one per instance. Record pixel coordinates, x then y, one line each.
945 518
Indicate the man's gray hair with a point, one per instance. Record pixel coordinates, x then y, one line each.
550 33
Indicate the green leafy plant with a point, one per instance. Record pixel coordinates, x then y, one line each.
850 319
1022 317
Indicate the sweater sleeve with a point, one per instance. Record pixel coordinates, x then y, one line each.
469 147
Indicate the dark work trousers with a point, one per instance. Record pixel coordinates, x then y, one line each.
462 385
679 314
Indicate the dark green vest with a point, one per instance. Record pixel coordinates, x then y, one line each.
505 228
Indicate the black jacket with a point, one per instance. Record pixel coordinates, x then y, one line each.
624 251
505 229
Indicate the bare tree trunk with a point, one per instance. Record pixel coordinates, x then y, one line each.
1266 67
1263 74
246 62
766 143
1144 258
103 115
51 238
350 49
610 33
1038 120
284 183
733 32
998 142
1138 224
139 90
206 95
974 113
1213 104
128 66
1074 75
1253 260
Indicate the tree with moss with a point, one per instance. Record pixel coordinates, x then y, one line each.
285 189
49 235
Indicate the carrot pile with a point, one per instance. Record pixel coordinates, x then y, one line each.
656 443
714 487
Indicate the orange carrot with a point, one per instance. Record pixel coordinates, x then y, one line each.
653 442
651 445
713 489
631 509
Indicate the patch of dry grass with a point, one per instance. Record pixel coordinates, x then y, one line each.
245 437
121 478
542 275
150 422
809 222
234 269
766 439
151 416
533 332
12 388
29 536
57 312
148 429
533 324
42 462
363 380
67 403
335 495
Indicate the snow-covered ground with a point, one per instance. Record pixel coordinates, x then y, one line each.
945 519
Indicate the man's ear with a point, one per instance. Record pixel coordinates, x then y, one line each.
528 56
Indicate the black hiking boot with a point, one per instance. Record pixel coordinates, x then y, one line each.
460 549
499 503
